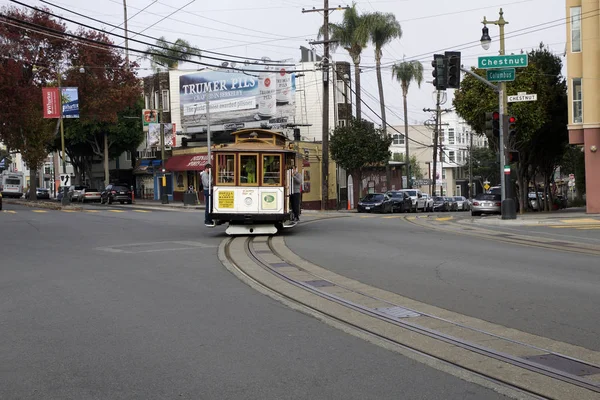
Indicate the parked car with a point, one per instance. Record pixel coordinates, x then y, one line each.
428 202
401 201
42 193
418 202
440 204
375 202
75 192
462 203
486 203
89 194
116 192
452 204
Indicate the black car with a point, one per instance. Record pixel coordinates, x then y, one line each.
401 201
375 202
42 193
115 192
440 204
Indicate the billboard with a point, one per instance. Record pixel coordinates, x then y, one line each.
153 135
70 102
248 97
69 99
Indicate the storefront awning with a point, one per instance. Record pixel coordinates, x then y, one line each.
187 162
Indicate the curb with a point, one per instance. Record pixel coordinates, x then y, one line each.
150 207
43 204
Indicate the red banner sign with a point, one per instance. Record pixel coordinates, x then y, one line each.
52 104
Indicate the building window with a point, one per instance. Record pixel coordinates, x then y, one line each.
451 136
342 122
146 101
575 29
165 100
451 156
577 102
398 139
156 100
457 191
128 155
443 173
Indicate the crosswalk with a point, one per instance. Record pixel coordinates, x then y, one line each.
41 211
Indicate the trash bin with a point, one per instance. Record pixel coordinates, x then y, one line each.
189 199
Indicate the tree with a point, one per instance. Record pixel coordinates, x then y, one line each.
383 28
352 35
542 131
358 145
108 90
168 55
30 62
415 167
405 73
573 162
485 164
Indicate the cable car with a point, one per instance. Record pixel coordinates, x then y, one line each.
252 182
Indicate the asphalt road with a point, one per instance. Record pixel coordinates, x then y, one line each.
544 292
105 304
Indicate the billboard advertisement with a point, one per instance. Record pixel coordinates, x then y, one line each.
69 100
252 96
51 102
153 135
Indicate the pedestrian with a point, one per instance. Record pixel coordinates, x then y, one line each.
206 186
296 184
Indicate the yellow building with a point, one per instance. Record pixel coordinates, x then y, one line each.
583 75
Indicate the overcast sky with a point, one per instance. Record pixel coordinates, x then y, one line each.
277 28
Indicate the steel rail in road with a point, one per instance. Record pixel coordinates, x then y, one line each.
312 286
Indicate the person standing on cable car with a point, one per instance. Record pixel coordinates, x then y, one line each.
296 184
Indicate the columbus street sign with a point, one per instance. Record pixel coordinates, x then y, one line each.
500 75
513 60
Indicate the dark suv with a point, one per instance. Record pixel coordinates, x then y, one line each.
116 192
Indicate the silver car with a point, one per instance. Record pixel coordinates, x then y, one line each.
485 203
462 202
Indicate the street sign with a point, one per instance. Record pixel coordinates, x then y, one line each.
522 96
500 75
513 60
65 180
486 186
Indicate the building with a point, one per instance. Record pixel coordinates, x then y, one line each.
583 79
420 141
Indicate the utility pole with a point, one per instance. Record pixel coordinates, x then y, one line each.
471 165
436 138
164 198
325 158
126 39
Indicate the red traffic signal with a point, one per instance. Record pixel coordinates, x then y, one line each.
512 120
496 116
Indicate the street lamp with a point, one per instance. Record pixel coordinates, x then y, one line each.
486 40
508 209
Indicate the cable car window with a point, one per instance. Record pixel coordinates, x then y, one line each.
226 168
272 169
248 169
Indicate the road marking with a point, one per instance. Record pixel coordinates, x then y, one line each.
9 211
577 226
116 211
587 228
69 211
141 211
580 221
92 211
443 218
39 211
411 218
393 216
367 216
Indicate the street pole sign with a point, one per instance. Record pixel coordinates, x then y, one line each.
500 75
522 96
513 60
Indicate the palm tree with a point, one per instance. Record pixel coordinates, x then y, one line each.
352 35
168 55
405 73
383 28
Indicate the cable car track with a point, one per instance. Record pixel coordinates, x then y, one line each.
313 283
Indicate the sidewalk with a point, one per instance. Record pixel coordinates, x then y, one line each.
535 218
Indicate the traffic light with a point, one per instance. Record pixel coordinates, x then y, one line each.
512 128
492 124
513 156
453 58
440 71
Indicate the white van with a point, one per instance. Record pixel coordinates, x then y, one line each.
12 184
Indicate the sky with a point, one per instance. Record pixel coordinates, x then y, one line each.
277 28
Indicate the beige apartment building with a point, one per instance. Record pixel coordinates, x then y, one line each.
583 75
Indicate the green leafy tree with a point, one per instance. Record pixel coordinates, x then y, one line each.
485 165
352 35
168 55
383 28
573 162
405 73
358 145
542 133
415 167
